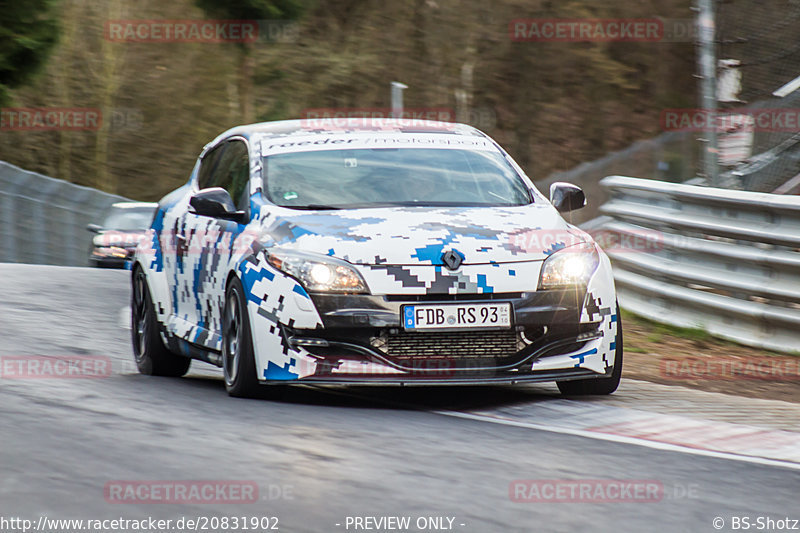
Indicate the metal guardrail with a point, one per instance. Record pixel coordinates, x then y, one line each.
43 220
721 260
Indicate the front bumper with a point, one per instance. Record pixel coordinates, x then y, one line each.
362 341
541 376
106 258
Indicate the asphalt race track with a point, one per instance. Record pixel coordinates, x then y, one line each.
318 456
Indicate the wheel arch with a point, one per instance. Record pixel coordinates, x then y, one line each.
158 287
231 275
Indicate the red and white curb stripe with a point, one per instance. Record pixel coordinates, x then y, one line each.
655 430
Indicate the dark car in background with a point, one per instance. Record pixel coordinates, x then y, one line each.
119 233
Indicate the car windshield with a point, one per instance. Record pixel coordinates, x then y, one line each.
392 177
129 219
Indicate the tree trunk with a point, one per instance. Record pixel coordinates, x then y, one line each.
246 71
109 82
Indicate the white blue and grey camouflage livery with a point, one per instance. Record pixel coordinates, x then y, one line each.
323 287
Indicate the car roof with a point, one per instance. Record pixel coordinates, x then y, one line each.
327 126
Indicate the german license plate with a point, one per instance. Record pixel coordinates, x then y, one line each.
457 316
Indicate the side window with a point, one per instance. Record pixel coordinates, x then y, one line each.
232 173
207 166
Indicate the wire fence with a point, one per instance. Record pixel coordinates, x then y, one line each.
775 158
757 47
672 157
762 42
43 220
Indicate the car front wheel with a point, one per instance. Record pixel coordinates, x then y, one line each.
598 386
238 361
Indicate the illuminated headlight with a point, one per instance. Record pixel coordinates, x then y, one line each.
110 251
319 273
569 267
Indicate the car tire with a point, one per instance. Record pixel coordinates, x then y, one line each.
152 357
238 360
598 386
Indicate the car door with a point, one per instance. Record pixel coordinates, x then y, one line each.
184 251
211 242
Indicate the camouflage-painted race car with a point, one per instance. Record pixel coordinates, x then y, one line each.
379 252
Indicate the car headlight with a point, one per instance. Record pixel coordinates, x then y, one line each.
110 251
569 266
319 273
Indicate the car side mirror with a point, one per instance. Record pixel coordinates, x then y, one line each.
566 197
94 228
215 202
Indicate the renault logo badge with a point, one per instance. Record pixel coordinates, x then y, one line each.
452 259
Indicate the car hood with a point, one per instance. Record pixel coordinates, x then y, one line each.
421 235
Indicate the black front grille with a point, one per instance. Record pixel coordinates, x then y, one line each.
406 346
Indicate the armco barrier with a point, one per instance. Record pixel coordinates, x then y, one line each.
43 220
725 261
